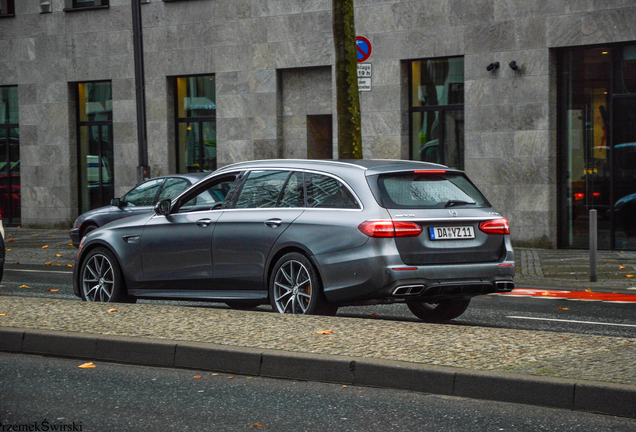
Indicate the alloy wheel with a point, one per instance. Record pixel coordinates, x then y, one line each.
98 279
292 288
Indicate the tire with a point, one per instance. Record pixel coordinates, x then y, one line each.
101 279
443 311
88 229
295 287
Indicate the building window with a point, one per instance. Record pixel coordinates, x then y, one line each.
71 5
597 145
7 8
196 123
95 144
437 111
9 155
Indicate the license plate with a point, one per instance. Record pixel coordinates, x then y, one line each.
452 233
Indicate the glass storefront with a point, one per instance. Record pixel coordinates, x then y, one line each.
597 145
437 111
9 156
196 124
95 142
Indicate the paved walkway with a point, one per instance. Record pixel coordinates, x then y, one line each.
590 373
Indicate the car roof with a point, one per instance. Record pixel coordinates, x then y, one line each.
193 177
370 166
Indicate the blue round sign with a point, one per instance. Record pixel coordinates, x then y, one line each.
363 46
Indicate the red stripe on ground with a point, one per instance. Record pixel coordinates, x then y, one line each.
577 295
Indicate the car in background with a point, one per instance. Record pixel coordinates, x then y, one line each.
2 250
140 199
307 237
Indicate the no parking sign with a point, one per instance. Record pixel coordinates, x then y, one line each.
363 45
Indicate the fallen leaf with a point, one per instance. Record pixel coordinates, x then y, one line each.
374 314
10 240
58 256
230 377
45 246
69 265
51 235
629 276
48 263
7 250
324 332
249 377
53 290
258 425
86 365
344 386
111 310
524 352
24 286
3 314
621 267
197 377
59 265
214 374
564 308
70 244
19 227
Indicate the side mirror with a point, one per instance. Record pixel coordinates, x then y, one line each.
163 207
117 202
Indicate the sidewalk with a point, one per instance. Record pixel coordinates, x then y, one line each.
572 371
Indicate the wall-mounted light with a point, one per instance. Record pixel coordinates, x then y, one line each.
492 66
513 65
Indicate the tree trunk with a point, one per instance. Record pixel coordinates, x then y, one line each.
347 97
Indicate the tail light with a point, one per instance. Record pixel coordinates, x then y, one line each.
389 228
497 226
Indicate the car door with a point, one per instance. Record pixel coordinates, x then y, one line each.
245 233
175 248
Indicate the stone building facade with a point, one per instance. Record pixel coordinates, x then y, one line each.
272 62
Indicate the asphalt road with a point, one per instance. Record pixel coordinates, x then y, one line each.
556 315
138 398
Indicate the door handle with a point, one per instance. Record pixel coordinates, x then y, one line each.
204 222
273 223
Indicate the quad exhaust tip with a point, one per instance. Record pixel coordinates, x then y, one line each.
504 285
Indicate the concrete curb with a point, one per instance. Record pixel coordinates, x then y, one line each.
588 396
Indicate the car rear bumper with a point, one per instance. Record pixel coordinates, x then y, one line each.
376 272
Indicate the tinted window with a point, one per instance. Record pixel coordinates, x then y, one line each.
208 195
173 187
327 192
293 195
428 190
144 194
262 189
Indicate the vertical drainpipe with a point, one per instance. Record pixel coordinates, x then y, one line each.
143 170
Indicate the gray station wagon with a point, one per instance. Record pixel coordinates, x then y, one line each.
308 236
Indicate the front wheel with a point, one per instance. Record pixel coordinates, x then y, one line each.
445 310
101 279
295 288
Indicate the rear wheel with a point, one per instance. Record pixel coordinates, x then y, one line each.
445 310
101 279
295 288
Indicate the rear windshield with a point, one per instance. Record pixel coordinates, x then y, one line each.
428 190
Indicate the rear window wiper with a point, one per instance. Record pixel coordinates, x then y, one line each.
453 203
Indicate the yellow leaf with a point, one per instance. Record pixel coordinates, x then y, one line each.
257 425
621 267
230 377
374 314
564 308
69 265
48 263
7 250
59 265
45 246
324 332
344 386
58 256
197 377
52 290
111 310
70 244
3 314
24 286
214 374
10 240
86 365
629 276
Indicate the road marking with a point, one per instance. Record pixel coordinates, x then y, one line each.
570 321
38 271
572 295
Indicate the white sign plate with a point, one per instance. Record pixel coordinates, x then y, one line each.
364 84
364 70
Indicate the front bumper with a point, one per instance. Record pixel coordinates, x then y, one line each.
74 233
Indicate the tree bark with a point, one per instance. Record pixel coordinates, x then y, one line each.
347 96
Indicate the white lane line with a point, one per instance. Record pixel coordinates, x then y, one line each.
571 321
38 271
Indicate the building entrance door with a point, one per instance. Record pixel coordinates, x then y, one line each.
10 175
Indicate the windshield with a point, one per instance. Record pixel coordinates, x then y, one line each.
429 190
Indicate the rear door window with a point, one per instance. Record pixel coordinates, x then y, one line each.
429 190
262 189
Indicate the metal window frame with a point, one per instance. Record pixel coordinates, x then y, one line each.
7 8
